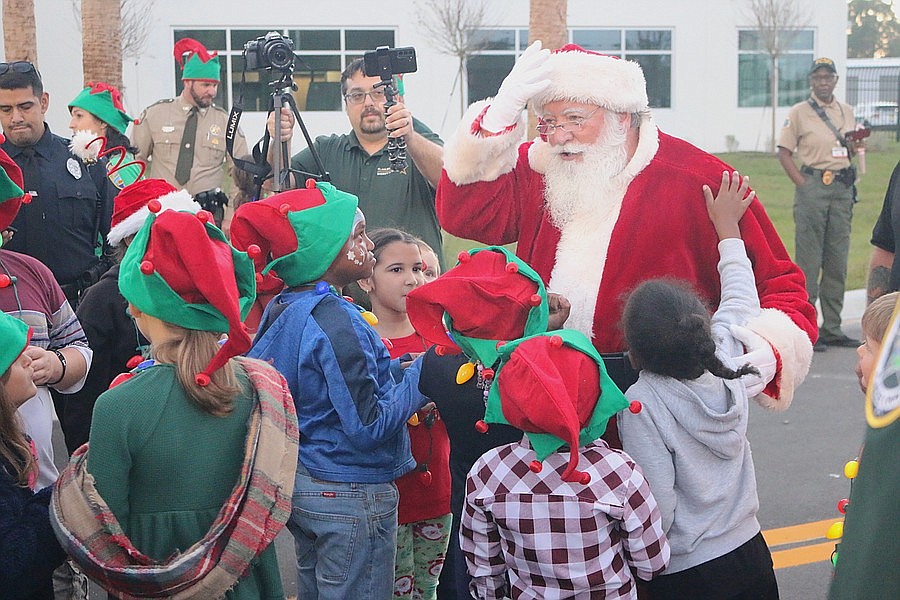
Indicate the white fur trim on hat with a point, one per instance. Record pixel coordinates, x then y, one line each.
179 200
794 348
581 76
82 147
470 157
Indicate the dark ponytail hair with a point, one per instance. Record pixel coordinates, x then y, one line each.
667 329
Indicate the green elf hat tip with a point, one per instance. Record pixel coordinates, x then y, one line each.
297 234
104 102
181 269
490 296
555 388
200 62
14 337
11 194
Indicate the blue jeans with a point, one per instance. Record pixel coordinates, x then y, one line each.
345 535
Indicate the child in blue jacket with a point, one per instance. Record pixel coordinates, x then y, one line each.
352 413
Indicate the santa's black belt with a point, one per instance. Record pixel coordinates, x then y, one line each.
619 368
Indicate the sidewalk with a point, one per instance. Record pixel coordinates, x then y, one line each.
854 305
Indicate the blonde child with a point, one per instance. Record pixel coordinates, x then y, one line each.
424 512
875 321
431 265
29 551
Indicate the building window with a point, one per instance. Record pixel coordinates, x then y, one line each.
651 48
322 54
755 69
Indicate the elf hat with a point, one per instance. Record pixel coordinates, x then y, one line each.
489 296
299 232
554 387
14 337
579 75
104 102
11 185
181 269
200 64
131 206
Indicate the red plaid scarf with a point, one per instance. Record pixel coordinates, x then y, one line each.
254 513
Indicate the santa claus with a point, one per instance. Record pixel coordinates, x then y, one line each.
603 200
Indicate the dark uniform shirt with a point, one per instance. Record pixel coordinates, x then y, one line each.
887 229
59 225
404 200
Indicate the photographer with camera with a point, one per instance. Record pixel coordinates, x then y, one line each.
820 130
359 161
184 137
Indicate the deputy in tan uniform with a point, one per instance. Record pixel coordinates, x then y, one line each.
184 137
816 130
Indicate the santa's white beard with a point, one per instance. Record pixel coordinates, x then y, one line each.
583 199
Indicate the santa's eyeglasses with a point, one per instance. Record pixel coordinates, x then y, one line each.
572 125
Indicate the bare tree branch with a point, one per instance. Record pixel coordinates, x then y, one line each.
450 25
778 22
136 23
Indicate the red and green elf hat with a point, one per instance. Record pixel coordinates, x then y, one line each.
491 295
200 63
104 102
11 185
299 232
14 337
181 269
134 204
554 387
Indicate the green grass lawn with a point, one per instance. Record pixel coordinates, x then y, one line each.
776 192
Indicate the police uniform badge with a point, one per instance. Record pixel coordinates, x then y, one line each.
74 168
215 132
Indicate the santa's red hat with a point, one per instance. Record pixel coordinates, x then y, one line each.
579 75
130 208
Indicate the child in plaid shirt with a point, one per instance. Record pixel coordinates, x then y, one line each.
533 529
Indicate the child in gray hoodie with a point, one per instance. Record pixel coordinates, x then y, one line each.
690 438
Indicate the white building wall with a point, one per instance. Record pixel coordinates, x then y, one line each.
704 56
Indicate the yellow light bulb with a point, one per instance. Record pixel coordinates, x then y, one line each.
465 372
851 469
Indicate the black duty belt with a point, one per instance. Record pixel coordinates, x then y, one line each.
846 176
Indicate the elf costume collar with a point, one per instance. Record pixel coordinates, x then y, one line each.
200 64
490 296
299 232
555 388
249 520
104 102
181 269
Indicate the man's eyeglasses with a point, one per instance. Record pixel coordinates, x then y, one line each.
571 126
19 66
360 97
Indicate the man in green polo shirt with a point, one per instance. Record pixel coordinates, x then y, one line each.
358 161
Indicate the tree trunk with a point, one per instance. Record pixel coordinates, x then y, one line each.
547 22
19 34
101 30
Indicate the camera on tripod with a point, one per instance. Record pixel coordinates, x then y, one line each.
271 51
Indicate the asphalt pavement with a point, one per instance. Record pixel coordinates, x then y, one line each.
799 456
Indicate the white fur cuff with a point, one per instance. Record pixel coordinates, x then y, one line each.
470 157
795 350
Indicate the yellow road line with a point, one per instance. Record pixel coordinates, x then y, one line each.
803 532
803 555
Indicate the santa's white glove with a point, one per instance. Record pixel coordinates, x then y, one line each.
759 354
529 76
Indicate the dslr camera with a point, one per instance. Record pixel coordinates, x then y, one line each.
271 51
385 62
